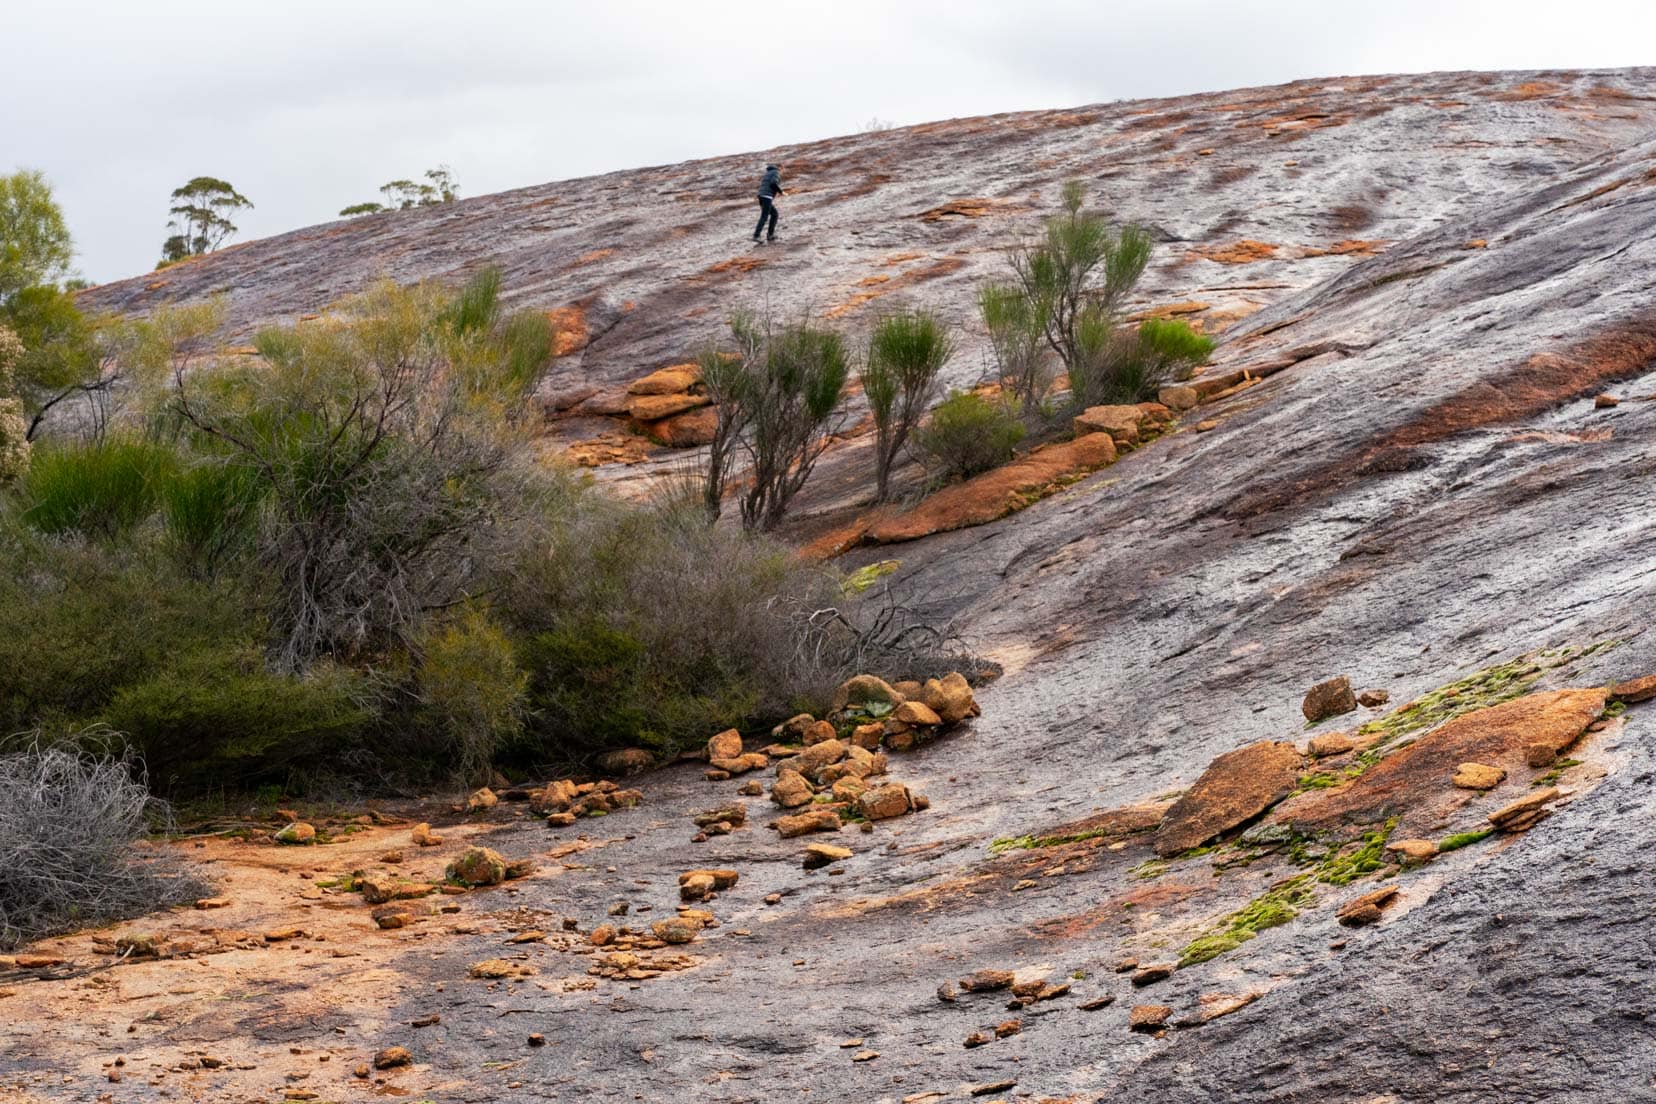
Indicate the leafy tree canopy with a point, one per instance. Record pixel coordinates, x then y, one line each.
35 247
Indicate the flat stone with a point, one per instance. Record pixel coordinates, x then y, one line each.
1373 699
1235 788
1335 743
987 981
1120 422
1148 1018
1367 908
1149 975
1635 690
818 855
666 381
1412 850
885 802
917 713
1478 776
1505 815
813 820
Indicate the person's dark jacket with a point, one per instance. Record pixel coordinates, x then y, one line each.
771 186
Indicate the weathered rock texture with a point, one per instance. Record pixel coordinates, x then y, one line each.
1430 278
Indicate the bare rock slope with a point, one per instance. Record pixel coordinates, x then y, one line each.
1447 272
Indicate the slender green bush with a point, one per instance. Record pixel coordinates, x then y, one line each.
968 434
100 490
906 352
210 511
1017 341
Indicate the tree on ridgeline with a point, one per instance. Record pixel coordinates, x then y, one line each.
200 220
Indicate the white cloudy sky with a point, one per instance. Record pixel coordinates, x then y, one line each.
307 105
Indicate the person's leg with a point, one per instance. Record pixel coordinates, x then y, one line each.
764 212
772 212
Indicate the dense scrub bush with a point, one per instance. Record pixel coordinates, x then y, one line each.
472 692
380 438
647 626
1130 366
906 352
225 717
78 621
968 434
68 822
14 430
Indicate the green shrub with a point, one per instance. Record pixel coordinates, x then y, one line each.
221 718
472 691
209 510
644 625
79 620
1131 366
101 490
968 434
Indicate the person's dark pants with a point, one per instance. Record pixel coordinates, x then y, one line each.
767 210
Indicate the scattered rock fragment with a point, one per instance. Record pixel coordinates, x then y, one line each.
812 820
725 745
1148 1018
1635 690
976 1039
213 903
1605 401
1008 1029
1373 699
493 968
1334 743
818 855
1366 909
734 814
602 936
1097 1003
481 799
1328 699
1412 850
1478 776
392 916
392 1057
422 836
676 930
987 981
1235 788
988 1087
1525 812
1149 975
865 1056
887 801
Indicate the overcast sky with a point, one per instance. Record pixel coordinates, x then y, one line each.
309 105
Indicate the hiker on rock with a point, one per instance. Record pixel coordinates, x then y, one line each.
769 189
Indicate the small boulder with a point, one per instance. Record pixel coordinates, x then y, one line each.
392 1057
791 790
296 833
673 380
726 745
848 789
741 764
676 929
917 713
1605 401
1518 815
602 936
868 736
1329 699
864 689
1120 422
481 799
392 916
423 836
1149 975
733 814
818 732
793 729
1373 699
1478 776
555 797
722 879
1178 397
987 981
1412 850
696 886
625 761
819 755
950 697
887 801
477 866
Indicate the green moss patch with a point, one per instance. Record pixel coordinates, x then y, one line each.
1270 910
